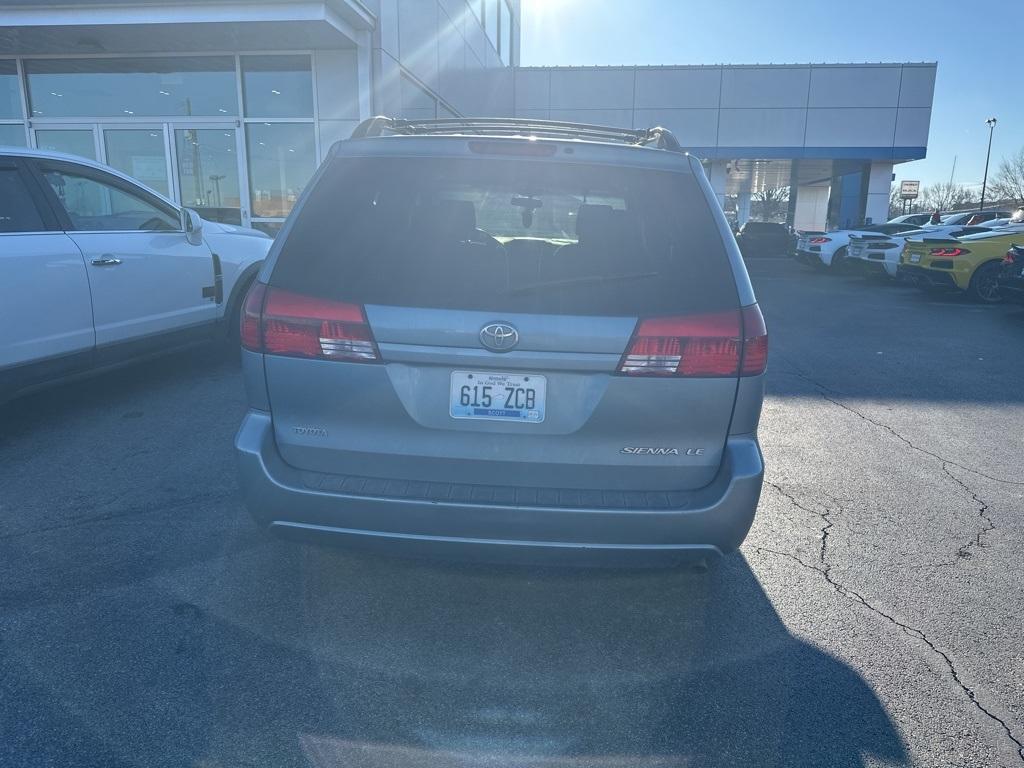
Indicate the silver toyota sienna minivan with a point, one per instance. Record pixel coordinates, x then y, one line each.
507 338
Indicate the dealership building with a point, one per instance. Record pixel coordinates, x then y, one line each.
229 106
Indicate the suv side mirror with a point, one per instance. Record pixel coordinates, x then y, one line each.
192 225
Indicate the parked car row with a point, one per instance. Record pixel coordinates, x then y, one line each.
984 260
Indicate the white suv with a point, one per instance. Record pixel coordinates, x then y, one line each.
96 269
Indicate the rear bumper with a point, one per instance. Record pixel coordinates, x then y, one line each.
713 521
875 263
928 278
809 258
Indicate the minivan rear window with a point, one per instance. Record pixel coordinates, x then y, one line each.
507 236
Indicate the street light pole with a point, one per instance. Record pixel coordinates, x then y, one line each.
991 123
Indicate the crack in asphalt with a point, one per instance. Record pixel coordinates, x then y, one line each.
830 394
825 516
824 568
965 550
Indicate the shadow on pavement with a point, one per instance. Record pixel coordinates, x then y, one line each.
315 657
109 390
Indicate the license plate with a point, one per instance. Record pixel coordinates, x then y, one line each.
915 258
801 244
498 396
857 250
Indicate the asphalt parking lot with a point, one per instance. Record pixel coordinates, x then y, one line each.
873 616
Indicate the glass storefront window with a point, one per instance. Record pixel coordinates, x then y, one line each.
208 172
282 158
74 141
10 98
140 153
277 86
132 87
12 136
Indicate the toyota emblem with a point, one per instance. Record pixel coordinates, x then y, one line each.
499 337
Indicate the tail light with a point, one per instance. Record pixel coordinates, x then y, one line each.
819 240
1015 252
699 346
278 322
948 253
250 331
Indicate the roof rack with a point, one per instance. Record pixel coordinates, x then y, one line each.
659 137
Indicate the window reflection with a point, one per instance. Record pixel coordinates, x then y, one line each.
282 158
277 86
208 172
132 87
140 154
73 141
94 206
10 100
12 135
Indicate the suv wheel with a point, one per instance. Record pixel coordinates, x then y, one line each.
984 285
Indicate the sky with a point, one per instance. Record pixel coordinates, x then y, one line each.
979 47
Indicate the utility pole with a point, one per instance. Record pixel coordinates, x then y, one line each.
991 123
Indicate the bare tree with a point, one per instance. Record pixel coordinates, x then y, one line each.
771 204
1008 182
896 203
945 196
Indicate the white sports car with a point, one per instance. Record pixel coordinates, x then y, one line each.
829 249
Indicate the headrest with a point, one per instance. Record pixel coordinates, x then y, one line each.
445 219
592 220
457 216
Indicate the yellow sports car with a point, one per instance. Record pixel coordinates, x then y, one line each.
971 263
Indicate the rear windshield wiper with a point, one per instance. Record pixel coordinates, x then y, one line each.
573 281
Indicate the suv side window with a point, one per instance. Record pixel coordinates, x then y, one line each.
96 202
18 212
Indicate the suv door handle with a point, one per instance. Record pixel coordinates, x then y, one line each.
106 261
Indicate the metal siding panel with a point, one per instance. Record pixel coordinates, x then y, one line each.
417 39
918 86
693 127
533 89
678 88
622 118
912 126
761 127
592 88
850 127
774 87
864 86
337 84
